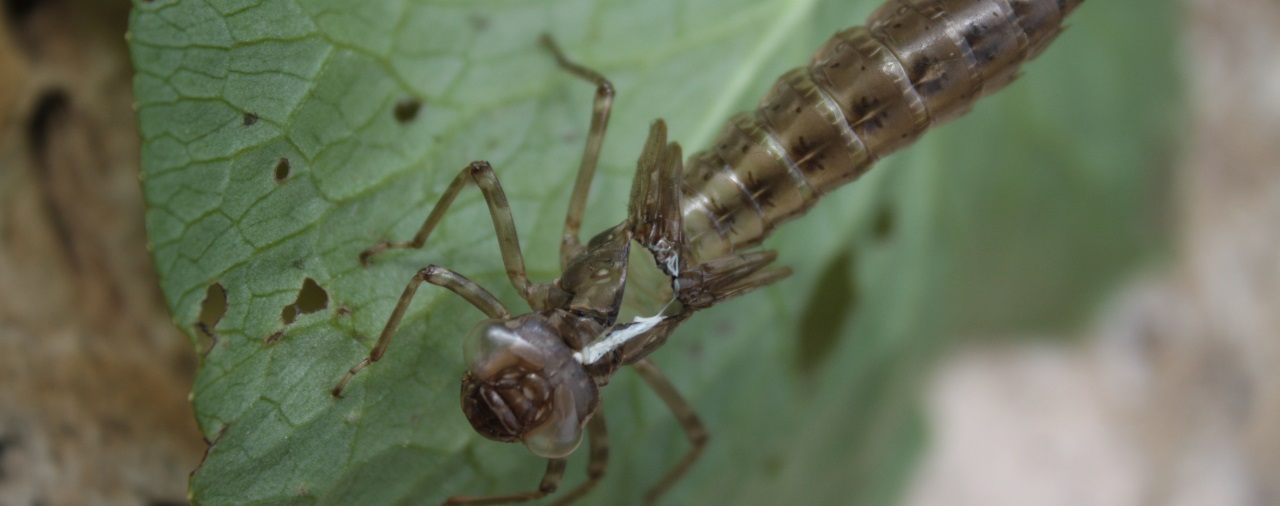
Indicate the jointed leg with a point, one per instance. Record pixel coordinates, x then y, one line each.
439 276
504 225
550 480
684 414
570 245
599 460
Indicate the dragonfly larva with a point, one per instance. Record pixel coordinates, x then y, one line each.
870 90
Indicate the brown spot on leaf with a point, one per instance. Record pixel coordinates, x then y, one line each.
885 221
283 169
830 307
407 109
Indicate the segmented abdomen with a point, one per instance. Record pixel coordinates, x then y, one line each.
867 92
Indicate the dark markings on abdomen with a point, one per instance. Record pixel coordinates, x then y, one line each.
870 90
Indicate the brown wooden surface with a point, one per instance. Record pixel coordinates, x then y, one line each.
93 374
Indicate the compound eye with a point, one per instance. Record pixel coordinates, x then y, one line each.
562 433
508 406
491 347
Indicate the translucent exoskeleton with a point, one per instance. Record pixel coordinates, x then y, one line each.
870 90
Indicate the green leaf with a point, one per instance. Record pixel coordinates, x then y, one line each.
273 155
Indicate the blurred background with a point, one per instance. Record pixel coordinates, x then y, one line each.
1170 395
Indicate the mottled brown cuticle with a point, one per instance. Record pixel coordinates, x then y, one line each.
908 82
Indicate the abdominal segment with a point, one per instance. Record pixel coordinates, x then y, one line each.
869 91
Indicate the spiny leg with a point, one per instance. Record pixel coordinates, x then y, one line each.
688 419
550 481
599 459
504 226
571 245
439 276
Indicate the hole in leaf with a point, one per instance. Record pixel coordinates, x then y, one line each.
407 109
311 298
829 308
250 119
885 221
282 170
212 310
275 336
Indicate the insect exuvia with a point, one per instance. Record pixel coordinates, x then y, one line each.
870 90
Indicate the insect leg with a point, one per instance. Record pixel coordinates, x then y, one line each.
684 414
570 245
504 226
550 481
439 276
599 460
